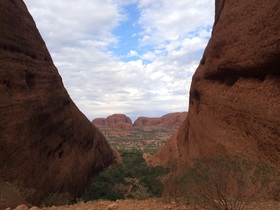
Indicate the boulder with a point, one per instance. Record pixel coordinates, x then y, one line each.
46 143
22 207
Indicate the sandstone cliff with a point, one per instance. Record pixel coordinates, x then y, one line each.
45 141
234 101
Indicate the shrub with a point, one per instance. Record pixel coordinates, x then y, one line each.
221 183
14 193
58 199
131 179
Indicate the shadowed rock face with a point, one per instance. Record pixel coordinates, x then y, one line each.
235 93
45 141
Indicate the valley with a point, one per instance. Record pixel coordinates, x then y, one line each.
145 134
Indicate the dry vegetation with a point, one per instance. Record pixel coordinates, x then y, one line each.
146 140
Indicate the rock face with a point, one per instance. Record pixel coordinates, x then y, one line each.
45 141
235 93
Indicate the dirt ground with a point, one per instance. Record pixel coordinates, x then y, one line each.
151 204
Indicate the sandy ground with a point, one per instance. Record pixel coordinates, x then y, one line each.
151 204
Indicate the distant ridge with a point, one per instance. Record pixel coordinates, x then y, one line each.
123 122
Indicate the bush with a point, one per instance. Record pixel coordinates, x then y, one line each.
14 193
130 179
58 199
221 183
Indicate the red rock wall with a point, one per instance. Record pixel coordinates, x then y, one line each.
45 141
235 93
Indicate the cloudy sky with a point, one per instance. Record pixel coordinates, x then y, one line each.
135 57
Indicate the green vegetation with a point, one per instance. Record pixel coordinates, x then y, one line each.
130 179
221 183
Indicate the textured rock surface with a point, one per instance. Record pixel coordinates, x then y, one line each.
235 93
45 141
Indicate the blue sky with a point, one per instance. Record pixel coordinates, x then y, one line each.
134 57
127 33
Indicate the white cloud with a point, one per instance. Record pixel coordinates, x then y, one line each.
69 22
80 37
132 53
168 20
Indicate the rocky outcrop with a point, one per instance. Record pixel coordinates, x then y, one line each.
100 122
45 141
167 155
120 121
169 120
173 119
117 121
146 122
235 92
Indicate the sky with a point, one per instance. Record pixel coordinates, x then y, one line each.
134 57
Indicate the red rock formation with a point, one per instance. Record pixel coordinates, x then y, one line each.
169 120
100 122
146 122
45 141
117 121
118 118
169 152
122 122
235 93
173 119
